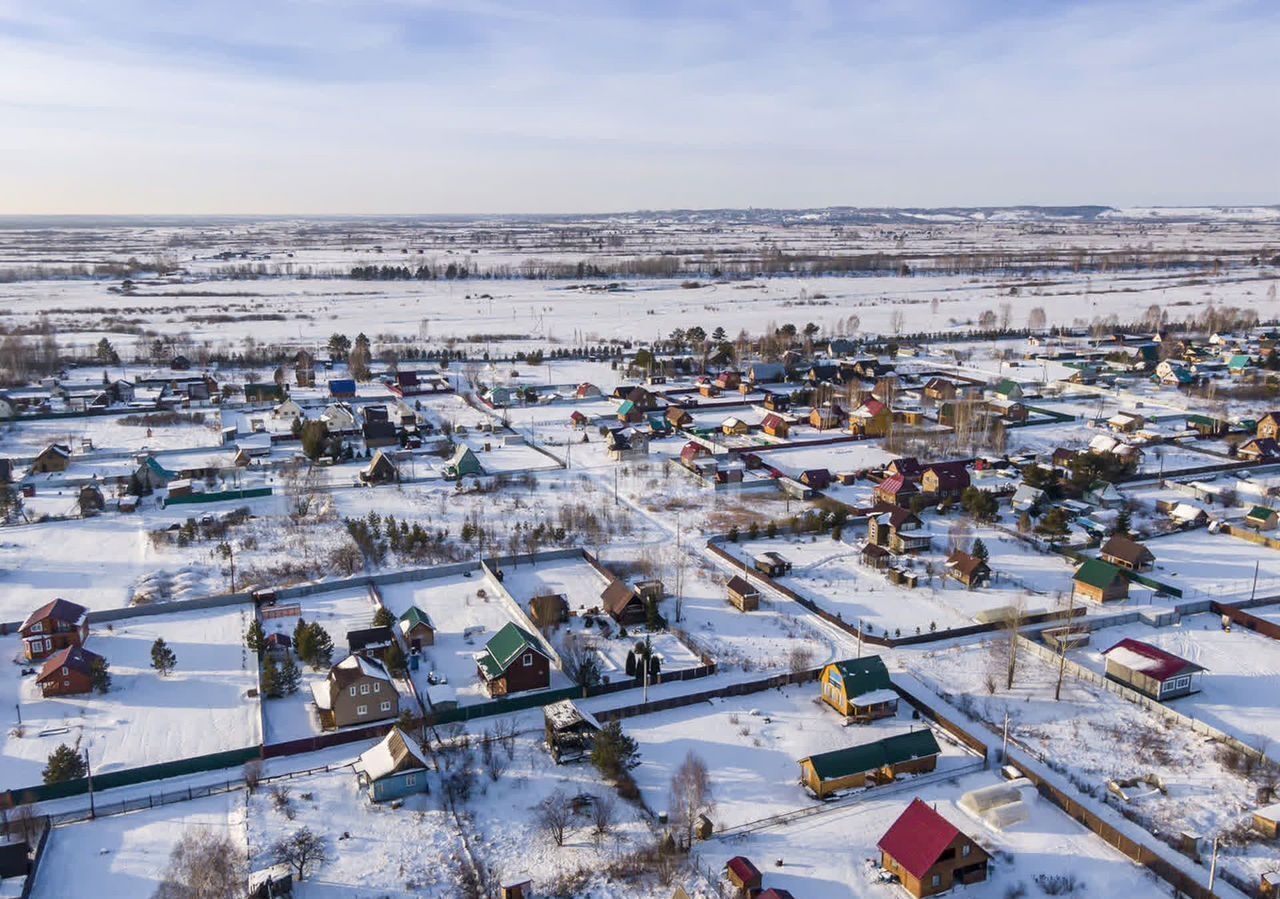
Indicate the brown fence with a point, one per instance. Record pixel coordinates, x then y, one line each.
891 642
739 689
326 740
1247 620
963 736
1251 536
1181 882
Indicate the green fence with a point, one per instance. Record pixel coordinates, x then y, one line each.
504 706
218 497
1152 583
130 776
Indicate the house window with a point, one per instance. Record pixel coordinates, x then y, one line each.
1184 681
377 688
364 689
37 627
937 880
362 710
410 779
64 672
353 691
386 707
528 659
965 850
48 644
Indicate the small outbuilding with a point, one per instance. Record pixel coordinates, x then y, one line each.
883 761
742 594
744 876
570 731
968 569
1151 671
623 603
1101 581
393 769
1125 553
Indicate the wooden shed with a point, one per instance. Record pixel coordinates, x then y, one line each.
869 764
742 594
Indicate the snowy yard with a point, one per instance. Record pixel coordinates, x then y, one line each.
834 855
1240 691
200 708
1093 735
1214 566
466 612
125 856
752 746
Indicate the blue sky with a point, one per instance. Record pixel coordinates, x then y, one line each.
417 106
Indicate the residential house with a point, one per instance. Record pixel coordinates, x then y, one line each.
827 418
815 478
943 481
970 570
776 425
692 454
896 490
549 610
876 557
1259 448
339 418
1260 518
53 627
771 563
623 603
777 402
394 768
729 379
624 444
90 500
1151 671
380 470
342 388
288 411
577 419
1188 515
1101 581
1126 422
416 629
929 854
907 466
1126 553
940 389
744 596
358 690
766 372
1006 410
896 529
53 458
679 418
370 641
1103 494
745 877
871 419
587 391
463 464
67 672
859 689
1269 426
1174 374
1008 389
513 661
1207 426
1026 497
264 392
1266 821
883 761
379 434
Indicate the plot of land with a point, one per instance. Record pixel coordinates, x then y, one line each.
201 708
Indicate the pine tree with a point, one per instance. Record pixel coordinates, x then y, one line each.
615 752
302 640
652 617
271 679
320 646
393 658
64 764
383 617
254 638
163 658
100 675
980 550
1124 523
289 676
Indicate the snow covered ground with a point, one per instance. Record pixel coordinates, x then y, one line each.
201 708
125 857
1240 691
752 746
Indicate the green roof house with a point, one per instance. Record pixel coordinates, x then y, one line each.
859 689
1260 518
1009 390
885 760
513 661
463 464
1101 581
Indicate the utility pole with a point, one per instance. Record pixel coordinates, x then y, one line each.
1213 865
859 638
615 485
89 774
1254 591
1004 747
1062 644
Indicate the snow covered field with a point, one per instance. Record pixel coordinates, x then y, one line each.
201 708
1214 566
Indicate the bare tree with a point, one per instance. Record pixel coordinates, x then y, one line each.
690 794
552 816
1037 320
491 753
303 850
604 813
204 865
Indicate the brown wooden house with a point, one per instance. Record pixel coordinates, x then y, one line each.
1269 426
358 690
53 458
776 426
53 627
970 570
513 661
883 761
929 854
859 689
744 596
549 610
68 671
1125 553
623 603
1100 581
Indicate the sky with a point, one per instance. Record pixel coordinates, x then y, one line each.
492 106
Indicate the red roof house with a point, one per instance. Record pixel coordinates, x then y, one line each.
929 854
742 873
1150 670
53 626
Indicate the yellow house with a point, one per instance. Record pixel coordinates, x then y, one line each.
859 689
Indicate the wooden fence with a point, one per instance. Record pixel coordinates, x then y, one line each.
1247 620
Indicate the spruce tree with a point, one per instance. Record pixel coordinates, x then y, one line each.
289 676
980 550
271 679
254 637
100 675
64 764
394 659
163 658
320 646
1124 523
